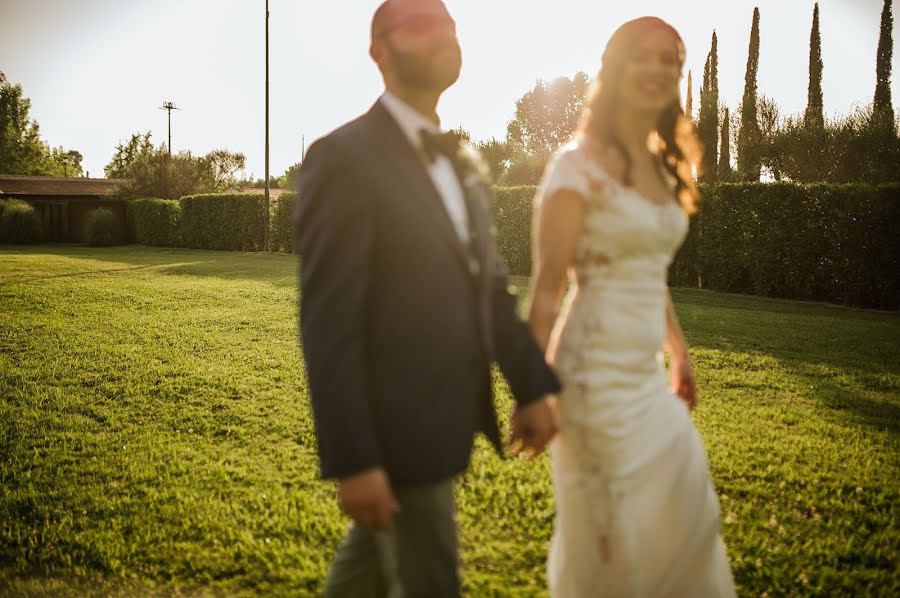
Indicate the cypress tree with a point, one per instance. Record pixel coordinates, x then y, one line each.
814 112
689 102
749 137
882 105
708 124
724 171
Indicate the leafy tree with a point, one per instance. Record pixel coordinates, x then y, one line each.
462 134
547 116
287 180
224 167
526 169
139 146
21 149
71 161
499 156
151 172
857 148
768 118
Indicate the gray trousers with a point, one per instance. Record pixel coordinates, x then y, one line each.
417 558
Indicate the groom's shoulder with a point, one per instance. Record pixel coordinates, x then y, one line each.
336 151
348 137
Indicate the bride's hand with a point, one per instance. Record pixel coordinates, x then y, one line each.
681 378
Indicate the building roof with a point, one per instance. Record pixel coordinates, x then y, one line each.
19 185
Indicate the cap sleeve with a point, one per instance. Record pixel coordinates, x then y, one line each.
570 170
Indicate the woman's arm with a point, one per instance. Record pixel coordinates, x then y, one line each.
681 373
675 343
556 230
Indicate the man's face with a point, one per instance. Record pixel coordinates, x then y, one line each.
422 51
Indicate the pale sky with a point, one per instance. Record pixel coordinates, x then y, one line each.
96 71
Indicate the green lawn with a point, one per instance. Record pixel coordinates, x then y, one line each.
155 438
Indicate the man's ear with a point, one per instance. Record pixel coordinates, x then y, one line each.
376 51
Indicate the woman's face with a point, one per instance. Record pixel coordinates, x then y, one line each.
650 75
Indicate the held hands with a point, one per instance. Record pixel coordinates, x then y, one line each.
681 378
367 498
533 427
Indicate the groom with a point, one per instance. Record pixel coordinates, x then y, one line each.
404 306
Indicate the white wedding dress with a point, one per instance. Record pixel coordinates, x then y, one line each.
636 512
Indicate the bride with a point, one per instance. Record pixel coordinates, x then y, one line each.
637 514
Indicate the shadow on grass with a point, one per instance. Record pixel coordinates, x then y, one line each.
273 268
876 414
849 358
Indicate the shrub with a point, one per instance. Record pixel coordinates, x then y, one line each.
102 228
20 222
3 203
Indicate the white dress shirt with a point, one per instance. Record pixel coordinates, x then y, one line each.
441 171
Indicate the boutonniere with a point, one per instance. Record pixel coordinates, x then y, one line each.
471 163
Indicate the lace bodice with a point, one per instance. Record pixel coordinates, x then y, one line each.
626 238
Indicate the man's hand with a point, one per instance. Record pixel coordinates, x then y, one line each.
367 498
533 427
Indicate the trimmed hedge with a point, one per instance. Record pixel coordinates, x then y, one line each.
19 222
281 224
154 221
835 243
514 219
822 242
225 221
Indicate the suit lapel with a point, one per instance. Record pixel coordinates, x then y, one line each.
480 220
410 178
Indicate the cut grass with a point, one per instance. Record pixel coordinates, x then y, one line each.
155 438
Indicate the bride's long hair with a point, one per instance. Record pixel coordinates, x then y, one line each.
679 149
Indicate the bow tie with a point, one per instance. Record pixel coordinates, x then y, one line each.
439 144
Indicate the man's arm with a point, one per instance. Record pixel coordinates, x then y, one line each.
520 358
334 231
522 362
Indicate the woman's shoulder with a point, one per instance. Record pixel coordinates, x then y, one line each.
571 154
598 163
571 168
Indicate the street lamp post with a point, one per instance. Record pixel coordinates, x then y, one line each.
266 219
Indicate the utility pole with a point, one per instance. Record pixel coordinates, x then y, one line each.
168 107
266 219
